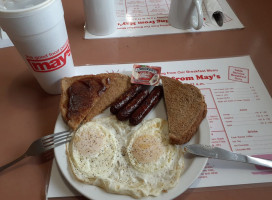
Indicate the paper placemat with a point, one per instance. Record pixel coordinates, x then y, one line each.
149 17
239 115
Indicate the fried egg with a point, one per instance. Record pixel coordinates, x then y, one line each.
149 149
92 152
131 160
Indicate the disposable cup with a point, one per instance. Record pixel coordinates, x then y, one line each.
100 16
37 29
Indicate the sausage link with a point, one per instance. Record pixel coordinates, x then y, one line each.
125 98
128 109
152 100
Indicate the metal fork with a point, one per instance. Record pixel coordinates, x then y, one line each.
42 145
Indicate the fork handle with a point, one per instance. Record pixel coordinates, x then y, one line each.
12 162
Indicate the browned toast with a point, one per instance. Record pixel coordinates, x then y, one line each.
186 108
84 97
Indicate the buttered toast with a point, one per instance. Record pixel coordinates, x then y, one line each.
84 97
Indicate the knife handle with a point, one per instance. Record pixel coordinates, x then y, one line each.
259 161
222 154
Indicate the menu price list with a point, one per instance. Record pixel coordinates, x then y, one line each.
240 120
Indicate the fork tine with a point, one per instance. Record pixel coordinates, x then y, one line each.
55 134
61 139
54 141
47 148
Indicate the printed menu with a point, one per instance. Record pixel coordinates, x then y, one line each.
239 116
150 17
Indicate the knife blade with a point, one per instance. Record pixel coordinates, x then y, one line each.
219 153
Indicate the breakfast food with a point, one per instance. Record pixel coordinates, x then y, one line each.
185 107
125 98
84 97
122 153
136 103
128 109
152 100
123 159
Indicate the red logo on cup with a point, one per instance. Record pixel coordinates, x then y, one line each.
53 61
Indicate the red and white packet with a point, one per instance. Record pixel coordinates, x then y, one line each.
146 75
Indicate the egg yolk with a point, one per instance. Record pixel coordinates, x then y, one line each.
89 143
147 149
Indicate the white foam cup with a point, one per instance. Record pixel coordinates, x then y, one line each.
186 14
100 16
37 29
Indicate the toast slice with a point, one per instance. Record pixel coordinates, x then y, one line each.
185 107
84 97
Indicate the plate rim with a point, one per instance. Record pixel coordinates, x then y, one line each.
197 164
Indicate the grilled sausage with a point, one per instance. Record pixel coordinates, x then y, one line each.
125 98
152 100
128 109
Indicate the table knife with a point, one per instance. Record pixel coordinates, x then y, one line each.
219 153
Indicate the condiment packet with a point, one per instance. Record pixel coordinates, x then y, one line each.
146 75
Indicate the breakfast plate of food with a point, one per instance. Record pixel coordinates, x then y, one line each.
127 139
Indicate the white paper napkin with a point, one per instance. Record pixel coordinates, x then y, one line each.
4 39
3 34
58 186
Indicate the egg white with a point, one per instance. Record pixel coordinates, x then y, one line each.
149 149
128 174
92 152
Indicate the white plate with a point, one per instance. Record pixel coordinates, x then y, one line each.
193 165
